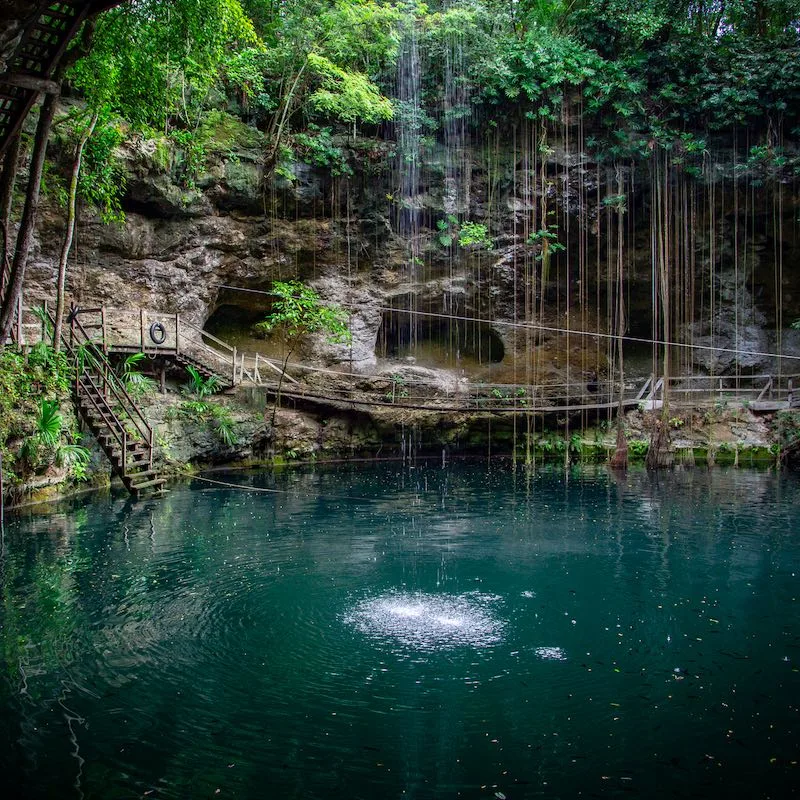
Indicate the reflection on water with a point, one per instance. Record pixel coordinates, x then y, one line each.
371 631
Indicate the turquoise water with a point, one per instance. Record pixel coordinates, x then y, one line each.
383 631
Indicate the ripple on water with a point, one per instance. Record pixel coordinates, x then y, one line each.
551 653
429 622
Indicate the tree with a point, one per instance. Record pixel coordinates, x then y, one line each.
16 276
69 232
296 312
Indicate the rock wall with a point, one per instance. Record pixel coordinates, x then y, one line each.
191 246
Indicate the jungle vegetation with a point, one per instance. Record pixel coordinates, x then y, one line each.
649 72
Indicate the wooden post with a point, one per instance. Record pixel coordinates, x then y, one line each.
233 360
177 334
141 328
103 327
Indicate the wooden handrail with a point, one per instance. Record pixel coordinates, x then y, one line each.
113 423
111 380
109 417
206 333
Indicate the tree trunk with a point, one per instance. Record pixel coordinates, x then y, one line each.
7 181
69 233
280 384
28 221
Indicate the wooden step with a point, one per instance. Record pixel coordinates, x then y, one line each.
145 473
111 441
137 487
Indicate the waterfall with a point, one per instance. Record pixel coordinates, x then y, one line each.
409 157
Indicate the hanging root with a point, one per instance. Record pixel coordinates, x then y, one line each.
659 455
620 458
685 457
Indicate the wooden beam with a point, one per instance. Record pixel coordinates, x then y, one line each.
30 82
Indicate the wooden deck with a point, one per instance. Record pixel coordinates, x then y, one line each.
174 338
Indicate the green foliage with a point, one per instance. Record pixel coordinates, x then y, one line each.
317 147
215 416
399 389
448 230
617 202
474 234
648 73
53 186
345 96
103 177
787 428
49 423
74 457
46 444
33 431
552 446
637 449
467 234
198 386
192 149
49 370
133 380
298 310
152 61
547 239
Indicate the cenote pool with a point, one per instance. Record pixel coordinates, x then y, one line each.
386 631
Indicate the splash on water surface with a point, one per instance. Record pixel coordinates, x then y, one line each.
551 653
429 622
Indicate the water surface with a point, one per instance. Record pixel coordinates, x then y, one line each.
386 631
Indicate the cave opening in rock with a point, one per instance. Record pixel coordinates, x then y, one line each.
234 323
437 341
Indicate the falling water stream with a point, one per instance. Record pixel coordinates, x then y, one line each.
427 631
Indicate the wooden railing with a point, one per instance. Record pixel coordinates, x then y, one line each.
190 336
722 388
400 391
252 370
182 337
93 371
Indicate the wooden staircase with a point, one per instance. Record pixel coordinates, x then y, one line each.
111 414
104 407
30 68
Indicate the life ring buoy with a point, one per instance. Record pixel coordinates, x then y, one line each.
158 333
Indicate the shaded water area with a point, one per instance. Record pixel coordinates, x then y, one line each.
386 630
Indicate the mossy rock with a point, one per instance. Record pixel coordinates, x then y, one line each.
223 133
243 178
